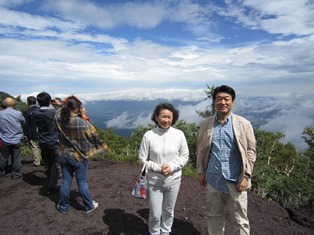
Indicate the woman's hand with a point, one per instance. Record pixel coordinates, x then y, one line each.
165 169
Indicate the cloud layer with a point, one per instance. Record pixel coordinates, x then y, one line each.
142 50
258 47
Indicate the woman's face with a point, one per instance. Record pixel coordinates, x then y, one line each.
164 119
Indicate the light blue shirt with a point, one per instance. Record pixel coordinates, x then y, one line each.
11 122
224 161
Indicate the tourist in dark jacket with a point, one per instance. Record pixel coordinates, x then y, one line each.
48 140
30 130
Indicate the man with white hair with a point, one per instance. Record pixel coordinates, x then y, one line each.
11 135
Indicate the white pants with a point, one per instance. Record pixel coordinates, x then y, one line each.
162 200
235 202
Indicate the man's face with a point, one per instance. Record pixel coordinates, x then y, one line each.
223 103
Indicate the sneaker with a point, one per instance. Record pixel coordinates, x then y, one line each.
95 205
17 176
58 208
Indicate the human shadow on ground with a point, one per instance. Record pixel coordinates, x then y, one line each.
120 222
34 180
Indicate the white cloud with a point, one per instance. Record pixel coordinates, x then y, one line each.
288 114
277 17
127 120
20 21
59 52
261 69
188 112
122 121
296 112
143 50
142 15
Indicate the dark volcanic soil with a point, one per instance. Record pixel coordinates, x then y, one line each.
25 209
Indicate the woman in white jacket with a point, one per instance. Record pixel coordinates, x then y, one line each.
166 150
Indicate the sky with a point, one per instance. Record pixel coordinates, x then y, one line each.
112 49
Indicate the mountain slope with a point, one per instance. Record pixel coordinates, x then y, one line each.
24 209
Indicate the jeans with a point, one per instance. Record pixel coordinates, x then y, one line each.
15 151
50 157
69 166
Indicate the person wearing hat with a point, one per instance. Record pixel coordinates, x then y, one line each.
11 135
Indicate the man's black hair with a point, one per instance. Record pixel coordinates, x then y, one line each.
225 89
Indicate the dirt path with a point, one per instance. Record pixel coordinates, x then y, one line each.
25 209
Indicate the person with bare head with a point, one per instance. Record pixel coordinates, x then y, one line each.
48 141
11 135
226 153
30 129
165 151
57 103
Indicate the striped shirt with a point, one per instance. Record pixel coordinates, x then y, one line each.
224 161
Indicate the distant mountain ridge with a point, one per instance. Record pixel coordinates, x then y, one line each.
101 112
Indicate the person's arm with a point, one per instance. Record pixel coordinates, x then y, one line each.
83 114
250 157
181 160
200 155
93 137
144 155
22 119
202 179
250 150
203 148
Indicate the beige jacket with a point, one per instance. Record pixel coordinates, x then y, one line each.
245 138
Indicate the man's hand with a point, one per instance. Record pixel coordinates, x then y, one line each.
243 186
201 179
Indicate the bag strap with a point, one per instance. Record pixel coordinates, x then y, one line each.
143 172
68 139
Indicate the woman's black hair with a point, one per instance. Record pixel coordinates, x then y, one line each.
169 107
71 104
224 89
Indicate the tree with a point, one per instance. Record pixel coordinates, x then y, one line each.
308 137
20 105
210 109
266 148
190 131
117 144
137 135
281 173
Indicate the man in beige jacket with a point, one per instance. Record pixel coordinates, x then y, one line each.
226 152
